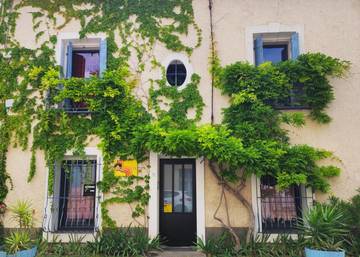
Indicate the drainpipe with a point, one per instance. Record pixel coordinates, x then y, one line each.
212 58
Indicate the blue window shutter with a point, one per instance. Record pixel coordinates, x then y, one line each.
259 51
69 54
103 56
295 51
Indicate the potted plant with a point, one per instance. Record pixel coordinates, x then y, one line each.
324 230
19 243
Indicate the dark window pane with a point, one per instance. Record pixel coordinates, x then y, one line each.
176 73
181 79
171 69
85 64
171 79
275 53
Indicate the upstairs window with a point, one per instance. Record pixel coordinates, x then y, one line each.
85 63
275 52
83 58
275 48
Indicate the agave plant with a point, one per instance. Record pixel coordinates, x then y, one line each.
221 245
17 241
22 214
324 228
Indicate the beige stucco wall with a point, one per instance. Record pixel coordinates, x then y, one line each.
329 26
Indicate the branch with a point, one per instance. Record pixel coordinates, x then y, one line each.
227 226
237 193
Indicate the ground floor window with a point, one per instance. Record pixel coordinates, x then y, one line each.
77 190
279 211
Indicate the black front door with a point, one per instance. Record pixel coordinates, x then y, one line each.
177 202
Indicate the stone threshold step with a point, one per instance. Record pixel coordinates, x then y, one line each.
180 252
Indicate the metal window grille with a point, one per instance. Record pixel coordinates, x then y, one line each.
280 211
74 204
72 107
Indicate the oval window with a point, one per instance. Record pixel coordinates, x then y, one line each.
176 73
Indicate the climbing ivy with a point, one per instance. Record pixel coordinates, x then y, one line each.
250 140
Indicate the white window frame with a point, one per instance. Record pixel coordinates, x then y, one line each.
185 60
51 221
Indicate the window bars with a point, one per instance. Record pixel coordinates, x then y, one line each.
74 205
280 211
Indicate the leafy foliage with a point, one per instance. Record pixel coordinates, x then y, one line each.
324 227
124 242
17 241
251 137
260 246
22 214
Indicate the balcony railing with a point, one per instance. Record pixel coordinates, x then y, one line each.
72 107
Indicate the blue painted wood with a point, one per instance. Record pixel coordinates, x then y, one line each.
295 50
317 253
103 56
259 50
68 72
69 54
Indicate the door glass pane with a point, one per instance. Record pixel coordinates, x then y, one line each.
188 188
168 188
178 188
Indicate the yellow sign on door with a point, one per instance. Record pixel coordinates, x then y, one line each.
125 168
167 208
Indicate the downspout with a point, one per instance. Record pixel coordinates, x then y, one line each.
212 58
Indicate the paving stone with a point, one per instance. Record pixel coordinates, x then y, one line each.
181 254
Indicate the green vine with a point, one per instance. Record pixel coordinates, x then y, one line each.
250 140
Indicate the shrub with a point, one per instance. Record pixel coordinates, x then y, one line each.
124 242
222 245
22 214
17 241
324 227
260 246
351 211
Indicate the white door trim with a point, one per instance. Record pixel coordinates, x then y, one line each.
154 196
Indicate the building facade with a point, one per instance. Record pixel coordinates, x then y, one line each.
183 191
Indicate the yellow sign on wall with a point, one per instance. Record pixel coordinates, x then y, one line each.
125 168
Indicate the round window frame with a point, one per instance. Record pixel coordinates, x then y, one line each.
185 60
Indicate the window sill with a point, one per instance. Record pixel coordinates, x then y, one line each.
273 236
68 236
